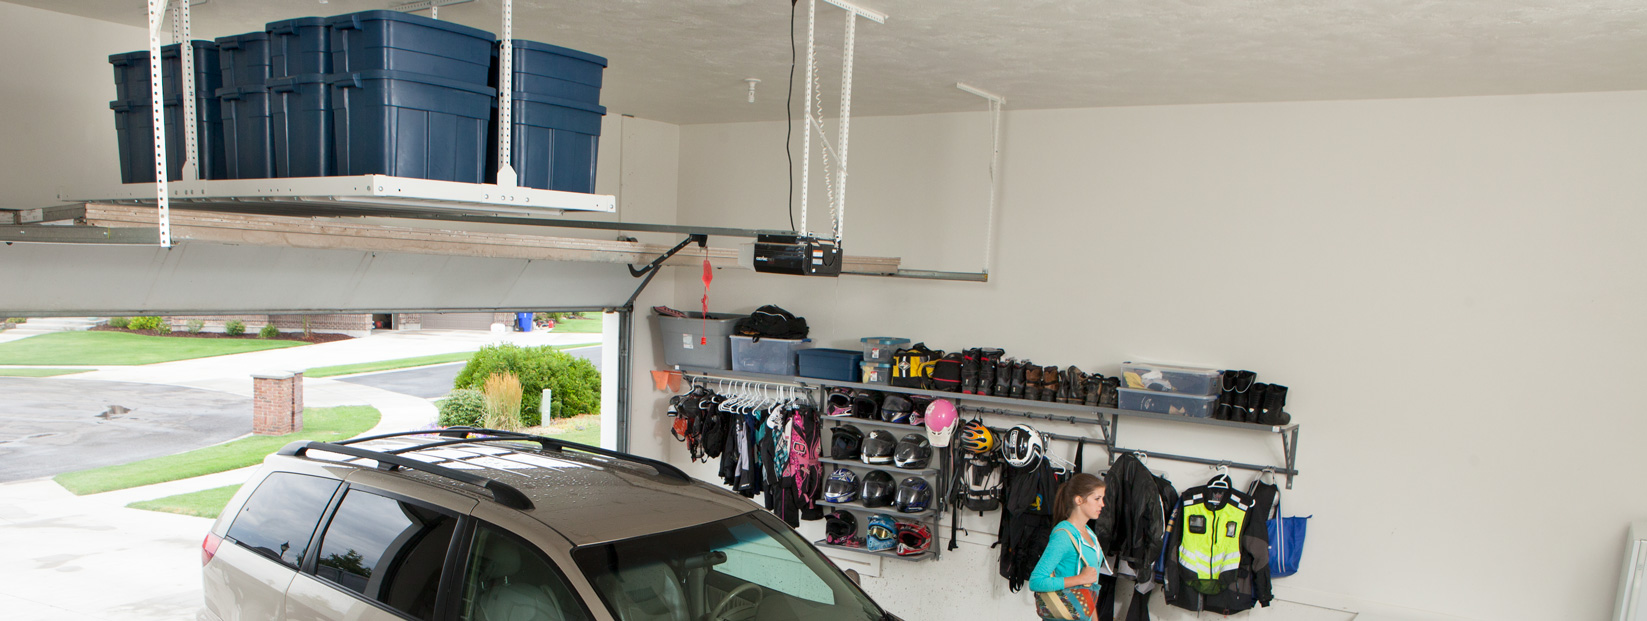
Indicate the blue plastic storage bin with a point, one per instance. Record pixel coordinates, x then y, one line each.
830 364
300 118
244 59
134 127
299 46
544 69
409 125
395 41
131 72
247 147
555 141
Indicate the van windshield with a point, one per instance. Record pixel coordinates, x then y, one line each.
746 567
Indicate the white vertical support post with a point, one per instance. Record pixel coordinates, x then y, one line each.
806 142
846 123
182 34
506 98
158 111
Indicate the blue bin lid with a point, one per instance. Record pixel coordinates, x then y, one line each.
411 76
556 49
236 40
301 78
286 26
559 101
169 51
246 89
397 16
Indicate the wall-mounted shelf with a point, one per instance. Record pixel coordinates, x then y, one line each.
892 470
893 553
1107 419
887 511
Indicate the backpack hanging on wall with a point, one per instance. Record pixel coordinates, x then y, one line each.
912 366
771 322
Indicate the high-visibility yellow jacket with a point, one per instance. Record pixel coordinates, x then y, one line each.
1210 556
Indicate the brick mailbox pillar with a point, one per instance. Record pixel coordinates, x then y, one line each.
277 403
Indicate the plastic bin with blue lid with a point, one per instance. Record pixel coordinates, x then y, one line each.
244 59
768 355
396 41
134 128
1193 406
544 69
409 125
875 373
829 364
881 348
131 72
299 46
554 143
247 146
301 126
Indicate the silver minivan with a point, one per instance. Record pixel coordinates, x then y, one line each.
483 525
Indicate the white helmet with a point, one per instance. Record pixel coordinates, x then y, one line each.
1022 446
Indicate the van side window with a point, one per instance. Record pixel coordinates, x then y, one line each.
386 550
280 516
509 579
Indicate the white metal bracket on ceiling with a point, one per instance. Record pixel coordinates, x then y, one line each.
835 185
996 102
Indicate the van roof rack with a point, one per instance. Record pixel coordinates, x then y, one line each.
462 435
502 492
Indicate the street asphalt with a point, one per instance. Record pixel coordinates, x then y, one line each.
50 430
433 382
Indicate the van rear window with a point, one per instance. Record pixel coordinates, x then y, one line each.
280 517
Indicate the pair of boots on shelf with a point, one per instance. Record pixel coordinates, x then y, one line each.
1246 400
986 371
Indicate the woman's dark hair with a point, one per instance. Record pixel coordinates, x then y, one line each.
1079 485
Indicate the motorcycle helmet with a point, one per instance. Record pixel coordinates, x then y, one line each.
1022 447
914 495
920 403
913 452
896 409
841 528
878 447
846 442
882 533
877 490
866 404
977 439
941 420
839 403
842 486
913 539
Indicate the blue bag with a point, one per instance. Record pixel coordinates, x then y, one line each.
1286 542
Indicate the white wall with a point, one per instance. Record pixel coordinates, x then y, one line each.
57 128
1449 286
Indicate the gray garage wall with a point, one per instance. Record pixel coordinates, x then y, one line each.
1451 287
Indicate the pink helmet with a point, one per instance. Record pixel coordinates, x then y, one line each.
940 421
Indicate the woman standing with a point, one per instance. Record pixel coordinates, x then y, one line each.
1065 576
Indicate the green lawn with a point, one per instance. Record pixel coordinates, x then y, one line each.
204 503
580 326
39 372
318 424
123 348
388 365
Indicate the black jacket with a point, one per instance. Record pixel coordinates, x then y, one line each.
1132 526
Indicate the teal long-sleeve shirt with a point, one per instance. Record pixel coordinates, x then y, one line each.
1061 559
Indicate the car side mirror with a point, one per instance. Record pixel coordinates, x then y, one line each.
852 574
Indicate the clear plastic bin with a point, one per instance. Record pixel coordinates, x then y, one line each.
1192 406
881 348
875 373
768 355
1171 378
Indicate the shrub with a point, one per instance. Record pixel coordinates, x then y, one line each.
165 327
119 322
235 327
575 382
16 319
145 323
463 407
502 392
268 332
196 325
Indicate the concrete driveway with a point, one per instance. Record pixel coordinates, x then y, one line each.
53 426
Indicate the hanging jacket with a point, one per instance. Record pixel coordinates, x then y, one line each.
1132 526
1209 558
1026 520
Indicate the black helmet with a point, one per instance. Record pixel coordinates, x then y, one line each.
877 489
841 528
878 447
914 452
841 487
846 442
896 409
866 404
914 495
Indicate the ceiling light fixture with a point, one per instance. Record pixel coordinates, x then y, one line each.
752 82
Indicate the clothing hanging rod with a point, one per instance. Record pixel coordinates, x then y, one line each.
732 381
1118 451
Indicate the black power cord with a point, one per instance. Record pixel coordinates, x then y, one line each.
789 121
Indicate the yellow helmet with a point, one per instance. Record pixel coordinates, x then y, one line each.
976 438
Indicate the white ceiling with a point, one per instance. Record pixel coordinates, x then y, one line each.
684 61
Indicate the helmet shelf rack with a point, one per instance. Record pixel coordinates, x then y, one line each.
1107 420
853 463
